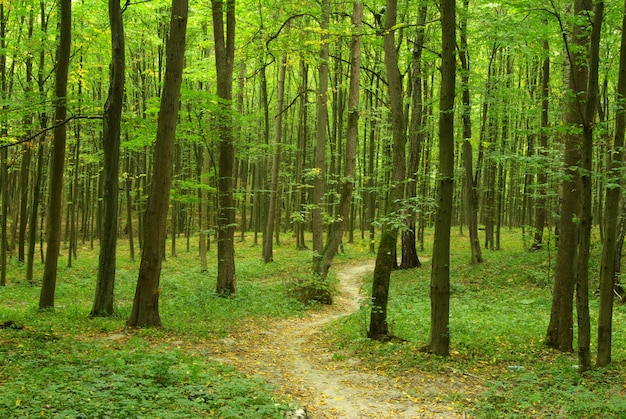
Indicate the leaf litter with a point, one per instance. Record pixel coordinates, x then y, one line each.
293 354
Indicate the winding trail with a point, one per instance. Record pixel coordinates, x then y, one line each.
289 353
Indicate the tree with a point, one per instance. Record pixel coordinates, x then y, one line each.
224 37
440 275
145 311
471 194
385 257
416 138
57 165
103 301
268 236
336 233
574 221
612 213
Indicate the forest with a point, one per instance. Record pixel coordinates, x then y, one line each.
426 193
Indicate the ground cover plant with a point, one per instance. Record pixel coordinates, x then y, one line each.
499 315
62 364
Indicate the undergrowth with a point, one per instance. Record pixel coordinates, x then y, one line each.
499 366
62 364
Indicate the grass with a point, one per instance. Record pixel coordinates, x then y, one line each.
64 365
499 315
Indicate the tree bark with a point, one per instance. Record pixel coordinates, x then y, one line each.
386 255
410 259
111 131
343 210
319 182
612 214
57 168
224 37
440 275
145 311
268 254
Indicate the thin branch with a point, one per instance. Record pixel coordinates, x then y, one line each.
43 131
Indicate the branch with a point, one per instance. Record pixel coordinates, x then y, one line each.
43 131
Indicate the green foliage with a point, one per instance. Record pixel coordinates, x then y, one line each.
312 288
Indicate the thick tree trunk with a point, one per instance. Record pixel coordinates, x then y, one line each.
111 127
57 169
145 311
224 37
560 331
440 275
319 182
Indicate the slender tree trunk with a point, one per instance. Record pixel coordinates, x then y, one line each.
268 254
145 311
440 274
224 37
471 194
336 233
541 201
57 169
610 245
410 258
386 255
111 131
582 279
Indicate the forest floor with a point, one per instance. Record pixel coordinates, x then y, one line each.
293 354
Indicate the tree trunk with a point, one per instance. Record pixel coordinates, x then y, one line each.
111 131
584 245
410 258
224 37
611 240
541 201
440 275
343 210
560 331
319 182
268 254
57 168
471 194
145 311
386 256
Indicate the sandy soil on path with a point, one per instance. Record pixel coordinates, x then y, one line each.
288 353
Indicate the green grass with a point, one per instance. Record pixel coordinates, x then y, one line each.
499 315
64 365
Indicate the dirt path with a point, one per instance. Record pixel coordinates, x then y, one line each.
288 353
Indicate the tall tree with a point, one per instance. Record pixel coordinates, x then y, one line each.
319 161
410 258
268 254
386 255
145 311
560 332
57 165
440 274
612 213
224 37
471 194
339 223
111 126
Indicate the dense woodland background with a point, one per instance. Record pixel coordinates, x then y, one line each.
538 131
